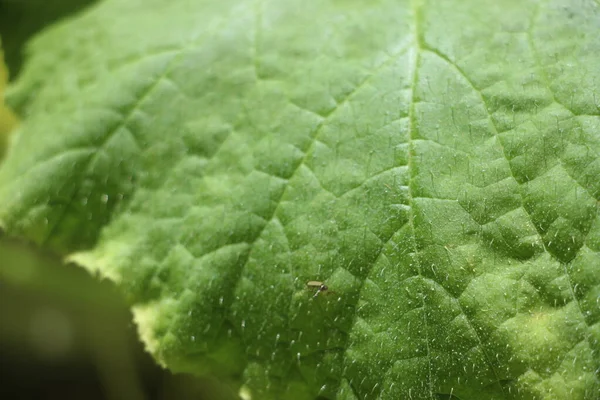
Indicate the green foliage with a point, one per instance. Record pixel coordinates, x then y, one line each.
7 119
22 19
435 163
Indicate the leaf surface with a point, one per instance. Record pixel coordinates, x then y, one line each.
7 119
435 163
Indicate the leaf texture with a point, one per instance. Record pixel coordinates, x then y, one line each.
434 163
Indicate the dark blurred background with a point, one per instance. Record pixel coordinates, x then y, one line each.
63 333
66 335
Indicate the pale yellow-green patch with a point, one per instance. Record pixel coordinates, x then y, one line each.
144 316
7 119
96 265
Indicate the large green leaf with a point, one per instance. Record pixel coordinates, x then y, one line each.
435 163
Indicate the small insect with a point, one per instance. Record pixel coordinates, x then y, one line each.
320 286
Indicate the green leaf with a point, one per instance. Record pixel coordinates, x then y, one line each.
7 118
22 19
435 163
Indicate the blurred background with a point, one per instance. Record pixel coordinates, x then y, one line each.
63 333
67 335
